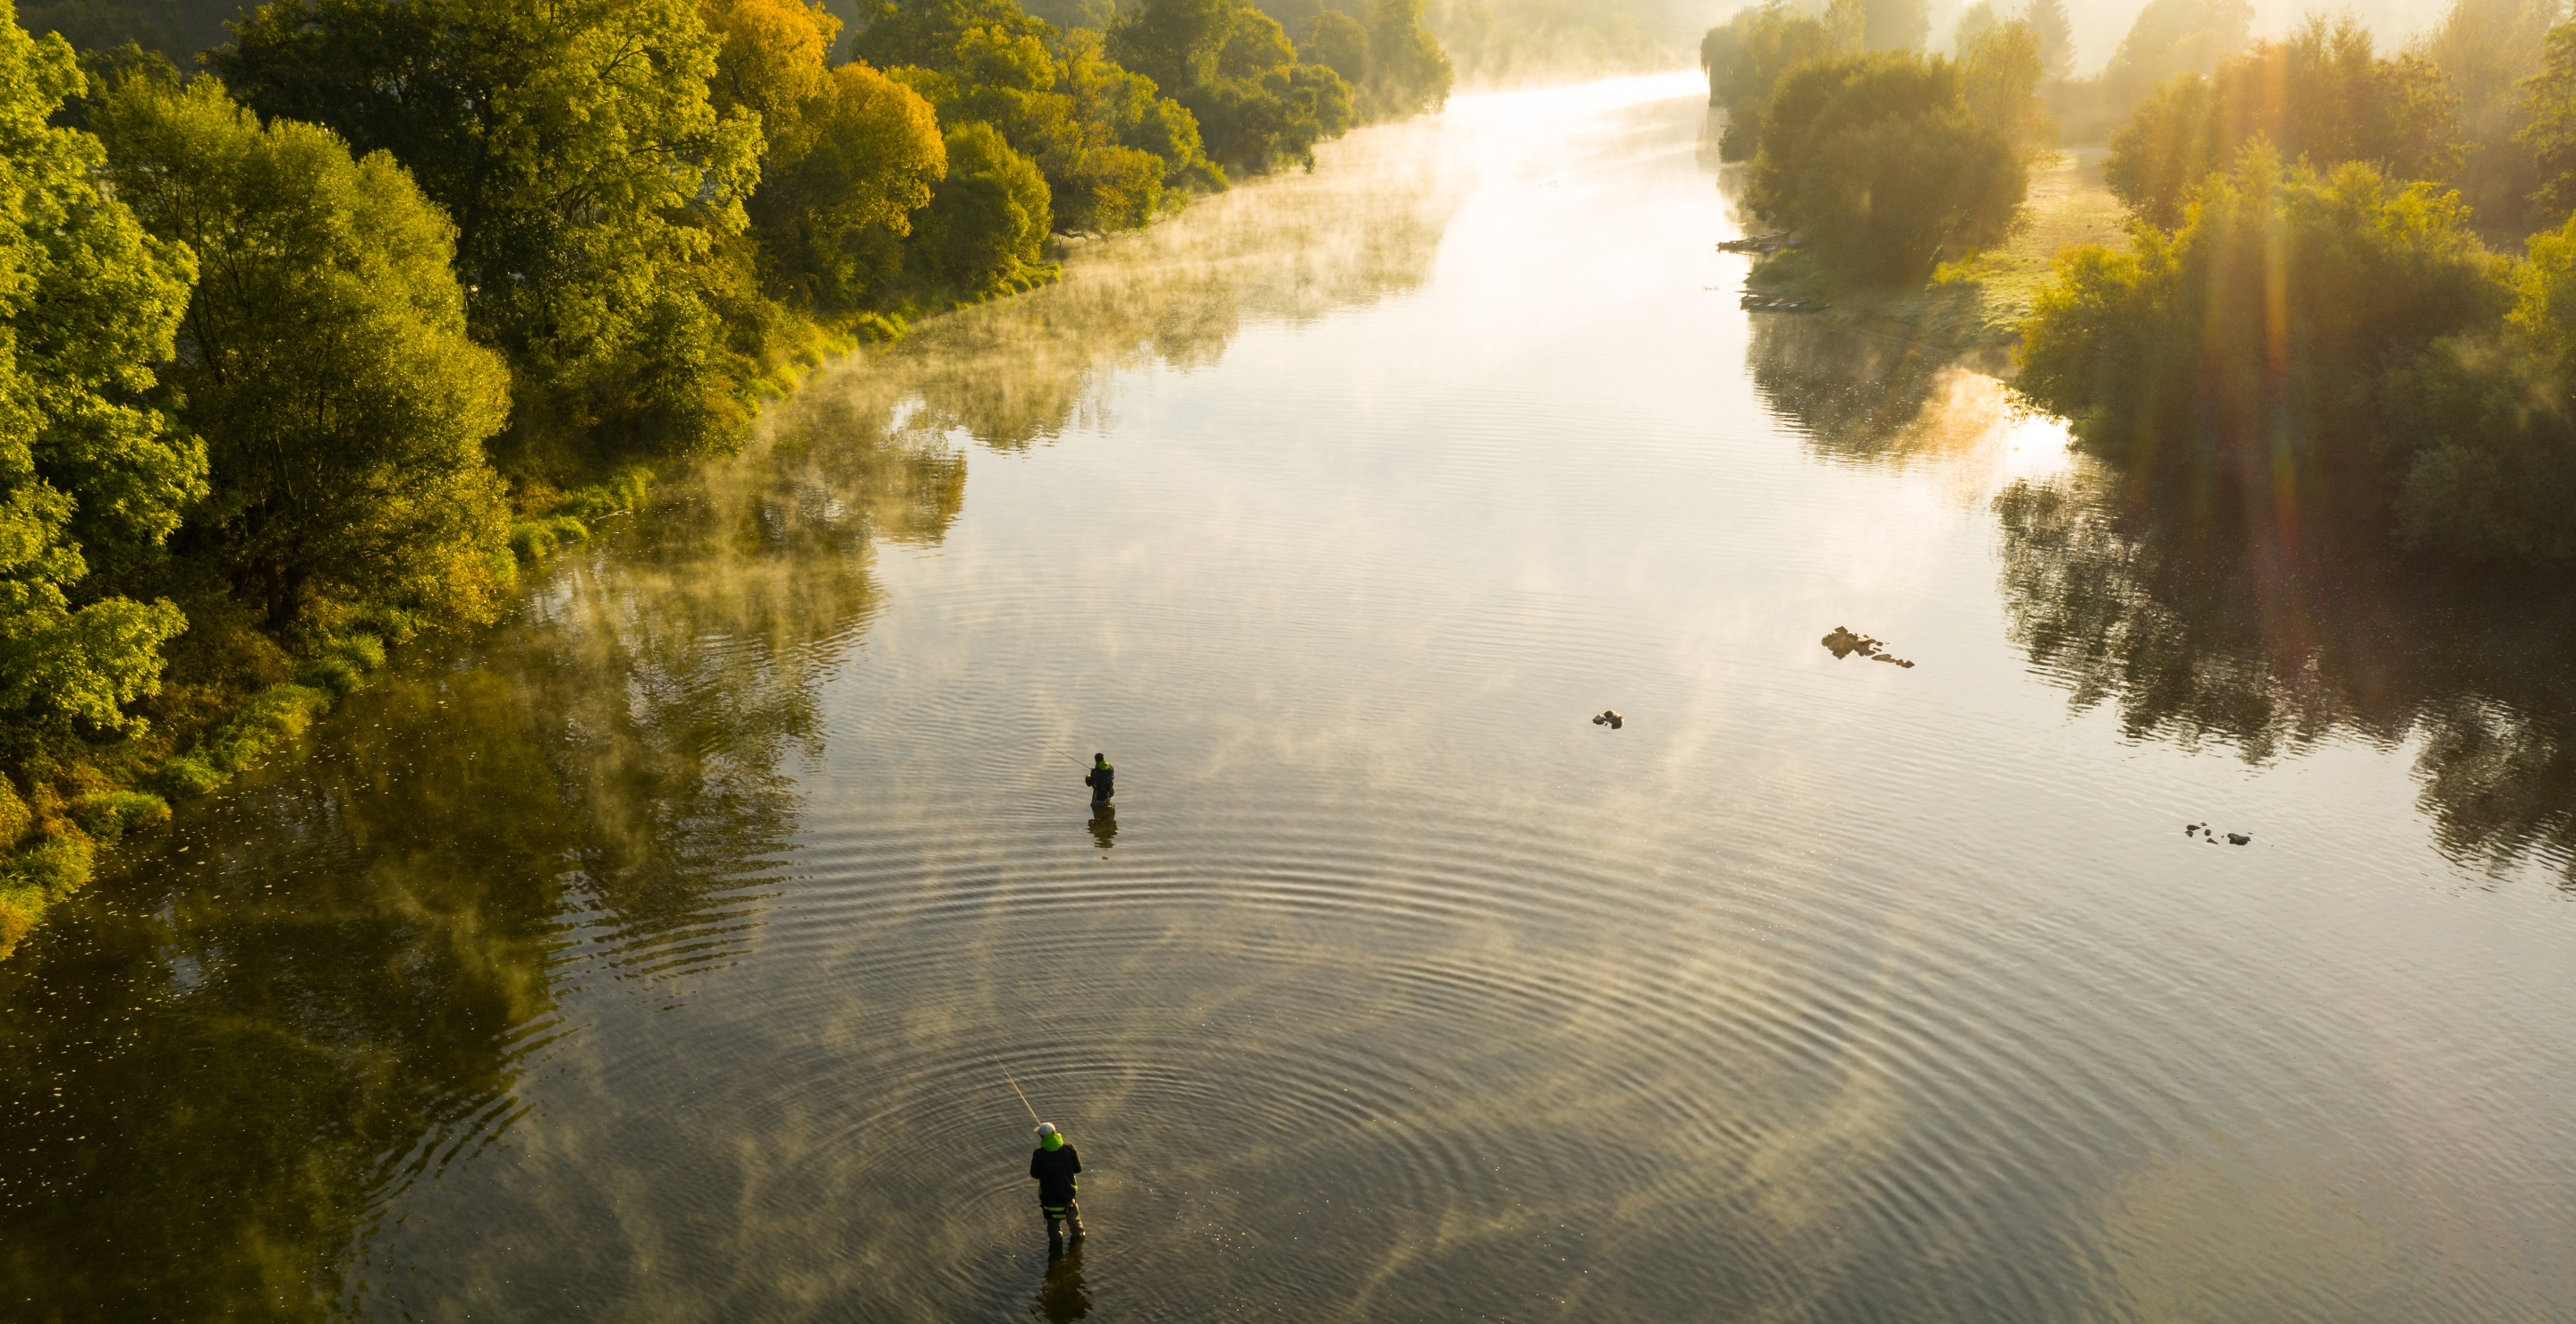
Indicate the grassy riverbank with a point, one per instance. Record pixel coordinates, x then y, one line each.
1975 307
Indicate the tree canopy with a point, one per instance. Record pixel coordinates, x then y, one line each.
92 477
1259 106
578 148
342 403
1881 160
2322 96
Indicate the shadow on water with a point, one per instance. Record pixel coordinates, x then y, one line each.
1854 395
1062 1297
2195 633
2197 629
222 1065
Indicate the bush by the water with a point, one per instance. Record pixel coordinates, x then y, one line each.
2332 341
1882 160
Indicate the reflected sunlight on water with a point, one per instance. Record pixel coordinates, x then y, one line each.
660 956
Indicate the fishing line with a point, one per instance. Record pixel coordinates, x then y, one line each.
1015 1089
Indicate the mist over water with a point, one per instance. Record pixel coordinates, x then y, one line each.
660 955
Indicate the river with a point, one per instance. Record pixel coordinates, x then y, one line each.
680 949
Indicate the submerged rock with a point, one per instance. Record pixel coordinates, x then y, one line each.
1611 719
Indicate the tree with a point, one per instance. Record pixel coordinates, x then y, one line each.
1879 158
2255 342
1999 77
2047 19
1895 25
987 226
1233 66
2549 100
343 405
1340 43
2486 50
2172 37
1107 141
2322 96
1409 73
576 147
1745 57
856 160
91 477
1974 22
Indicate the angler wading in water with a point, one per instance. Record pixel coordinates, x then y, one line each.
1053 1167
1103 781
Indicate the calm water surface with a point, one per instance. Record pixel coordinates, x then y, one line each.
660 955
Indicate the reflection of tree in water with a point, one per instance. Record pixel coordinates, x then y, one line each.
1365 226
684 671
1854 394
330 991
259 1041
2197 636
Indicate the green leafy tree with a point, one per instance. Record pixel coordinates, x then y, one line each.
1409 74
1745 57
2486 50
848 155
1259 106
1340 43
344 406
575 144
2486 420
2254 343
2048 21
1999 78
1106 139
1895 25
2322 96
2172 37
838 195
1879 158
1974 22
91 477
986 228
2549 102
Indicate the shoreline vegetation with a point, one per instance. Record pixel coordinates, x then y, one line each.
314 347
377 303
2306 290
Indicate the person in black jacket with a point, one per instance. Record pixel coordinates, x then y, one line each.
1103 781
1052 1167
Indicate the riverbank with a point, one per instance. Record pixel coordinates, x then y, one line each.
1972 308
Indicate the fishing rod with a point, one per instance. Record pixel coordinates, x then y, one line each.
1015 1089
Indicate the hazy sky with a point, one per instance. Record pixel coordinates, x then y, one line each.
2099 24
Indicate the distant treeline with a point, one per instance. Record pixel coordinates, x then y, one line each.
310 350
2328 309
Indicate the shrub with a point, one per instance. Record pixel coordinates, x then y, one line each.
190 774
531 541
15 816
273 716
110 815
365 650
2322 97
20 908
57 865
1879 158
2260 335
